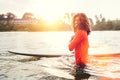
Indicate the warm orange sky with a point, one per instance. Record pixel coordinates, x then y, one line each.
55 8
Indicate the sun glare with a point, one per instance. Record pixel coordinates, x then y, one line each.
50 18
49 10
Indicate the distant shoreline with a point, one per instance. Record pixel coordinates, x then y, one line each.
56 31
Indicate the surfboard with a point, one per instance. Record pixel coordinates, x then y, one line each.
33 53
39 54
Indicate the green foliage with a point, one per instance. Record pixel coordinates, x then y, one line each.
102 24
5 26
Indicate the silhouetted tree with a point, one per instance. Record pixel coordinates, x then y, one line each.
2 17
103 24
97 19
10 16
91 22
67 17
28 16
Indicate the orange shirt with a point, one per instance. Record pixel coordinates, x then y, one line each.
80 44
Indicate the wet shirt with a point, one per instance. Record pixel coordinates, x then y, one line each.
80 44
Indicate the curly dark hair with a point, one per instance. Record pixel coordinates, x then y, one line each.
84 23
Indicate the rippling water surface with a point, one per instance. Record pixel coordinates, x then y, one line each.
19 67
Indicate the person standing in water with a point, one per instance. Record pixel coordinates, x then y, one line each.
79 42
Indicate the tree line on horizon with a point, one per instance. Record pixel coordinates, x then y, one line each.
103 24
6 23
60 25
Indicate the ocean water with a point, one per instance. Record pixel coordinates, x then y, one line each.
19 67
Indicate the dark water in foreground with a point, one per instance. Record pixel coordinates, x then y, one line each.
19 67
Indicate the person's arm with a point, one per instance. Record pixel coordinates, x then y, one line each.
76 39
72 38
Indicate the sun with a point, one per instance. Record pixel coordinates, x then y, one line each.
50 17
49 10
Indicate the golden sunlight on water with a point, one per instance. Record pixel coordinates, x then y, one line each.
106 66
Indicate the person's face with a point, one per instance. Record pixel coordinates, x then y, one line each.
76 22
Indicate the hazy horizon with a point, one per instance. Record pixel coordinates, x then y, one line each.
56 8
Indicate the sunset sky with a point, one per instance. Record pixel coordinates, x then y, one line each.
54 8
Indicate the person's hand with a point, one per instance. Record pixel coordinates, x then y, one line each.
71 38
